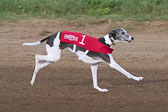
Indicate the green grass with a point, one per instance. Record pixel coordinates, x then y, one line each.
115 9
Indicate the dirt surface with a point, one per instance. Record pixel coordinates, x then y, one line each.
66 86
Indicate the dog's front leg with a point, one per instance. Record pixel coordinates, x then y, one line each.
114 65
94 77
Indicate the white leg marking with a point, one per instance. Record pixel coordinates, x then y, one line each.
114 65
94 77
37 68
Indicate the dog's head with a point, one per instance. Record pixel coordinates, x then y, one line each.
120 35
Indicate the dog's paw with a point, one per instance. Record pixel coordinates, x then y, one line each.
101 90
32 82
104 90
137 78
140 78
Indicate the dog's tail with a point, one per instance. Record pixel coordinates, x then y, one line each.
36 43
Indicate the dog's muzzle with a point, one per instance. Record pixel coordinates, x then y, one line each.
132 38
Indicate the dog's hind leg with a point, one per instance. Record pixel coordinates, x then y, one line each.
94 77
54 54
114 65
38 66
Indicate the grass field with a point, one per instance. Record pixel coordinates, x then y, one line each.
114 9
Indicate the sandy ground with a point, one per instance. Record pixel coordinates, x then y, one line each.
66 86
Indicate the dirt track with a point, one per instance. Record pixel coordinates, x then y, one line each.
67 85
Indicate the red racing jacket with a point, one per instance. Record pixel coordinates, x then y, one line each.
85 41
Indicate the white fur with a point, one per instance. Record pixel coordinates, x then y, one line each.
32 44
107 39
84 54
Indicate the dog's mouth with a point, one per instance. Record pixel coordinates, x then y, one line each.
129 41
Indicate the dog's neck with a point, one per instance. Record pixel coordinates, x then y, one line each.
107 41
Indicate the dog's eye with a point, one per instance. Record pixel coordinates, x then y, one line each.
123 33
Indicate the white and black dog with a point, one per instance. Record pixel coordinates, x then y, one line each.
54 46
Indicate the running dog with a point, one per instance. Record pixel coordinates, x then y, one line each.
90 50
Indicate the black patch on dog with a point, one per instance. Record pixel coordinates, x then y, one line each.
44 39
112 33
102 40
51 39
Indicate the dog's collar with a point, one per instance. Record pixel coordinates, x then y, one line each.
112 40
109 41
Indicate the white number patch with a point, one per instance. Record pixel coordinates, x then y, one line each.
82 42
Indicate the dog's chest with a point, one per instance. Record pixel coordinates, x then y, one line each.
85 41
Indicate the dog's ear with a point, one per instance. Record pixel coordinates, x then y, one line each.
112 33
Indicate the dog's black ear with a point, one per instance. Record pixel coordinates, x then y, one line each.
112 33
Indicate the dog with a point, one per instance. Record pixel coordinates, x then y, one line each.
55 45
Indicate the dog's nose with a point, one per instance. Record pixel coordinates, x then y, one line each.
132 38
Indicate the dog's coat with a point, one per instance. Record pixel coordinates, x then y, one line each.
85 41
